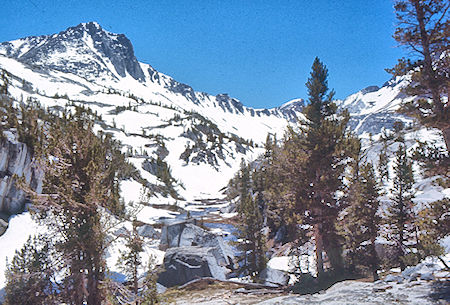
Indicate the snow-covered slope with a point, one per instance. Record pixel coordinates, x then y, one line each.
197 134
374 108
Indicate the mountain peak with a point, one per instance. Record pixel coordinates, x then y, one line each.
294 104
90 24
91 28
86 50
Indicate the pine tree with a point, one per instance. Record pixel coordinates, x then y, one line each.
130 260
361 222
250 231
81 188
30 278
383 161
423 29
287 188
325 140
400 216
309 168
4 83
433 224
149 294
250 225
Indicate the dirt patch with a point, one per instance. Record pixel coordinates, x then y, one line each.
212 292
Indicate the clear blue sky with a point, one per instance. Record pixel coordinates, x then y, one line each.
259 51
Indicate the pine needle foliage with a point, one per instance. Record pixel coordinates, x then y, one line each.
30 277
361 222
81 189
251 223
400 213
423 29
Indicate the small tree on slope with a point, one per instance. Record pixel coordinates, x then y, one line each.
361 222
400 213
250 226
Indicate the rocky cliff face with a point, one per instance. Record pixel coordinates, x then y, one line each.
106 54
16 159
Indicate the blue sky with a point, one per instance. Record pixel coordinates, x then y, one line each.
259 51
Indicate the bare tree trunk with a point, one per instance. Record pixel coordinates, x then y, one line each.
374 258
94 297
400 249
438 108
135 279
318 236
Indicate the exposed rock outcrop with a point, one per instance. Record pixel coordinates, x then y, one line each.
148 231
184 264
182 234
16 159
3 226
193 253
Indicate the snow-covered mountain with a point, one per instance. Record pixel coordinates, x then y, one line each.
201 137
197 134
374 108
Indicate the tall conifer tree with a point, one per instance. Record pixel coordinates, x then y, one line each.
400 216
361 221
310 167
423 28
251 223
81 188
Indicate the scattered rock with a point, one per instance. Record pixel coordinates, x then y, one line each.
121 232
274 277
3 226
148 231
382 288
394 278
184 264
424 271
427 276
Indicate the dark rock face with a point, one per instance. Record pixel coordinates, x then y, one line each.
16 159
232 105
184 264
183 89
193 253
292 109
370 89
98 48
184 234
374 123
228 104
